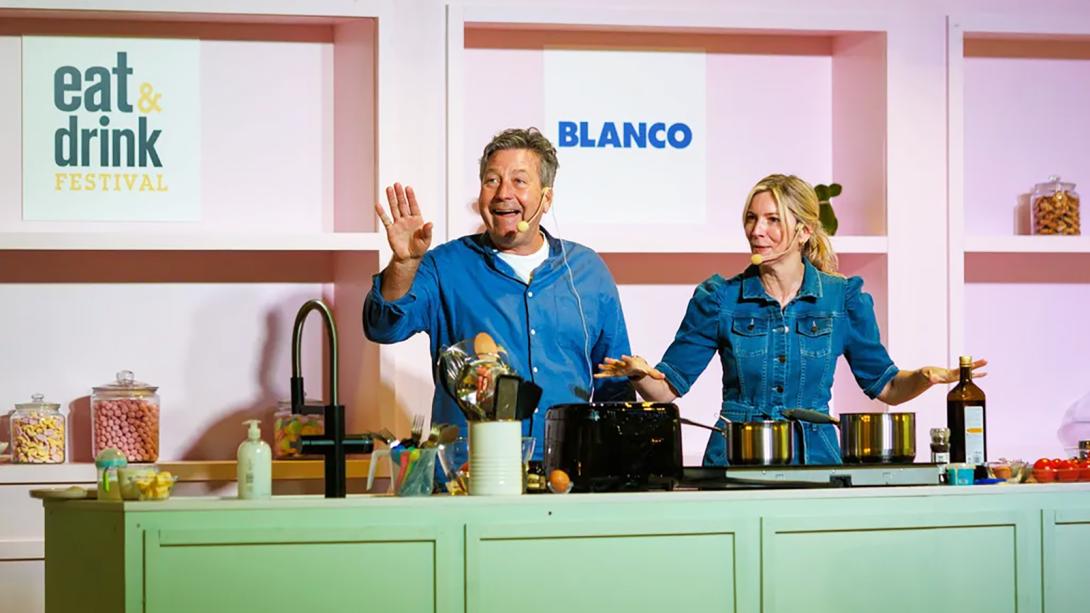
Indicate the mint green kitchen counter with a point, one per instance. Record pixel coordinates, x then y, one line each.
958 549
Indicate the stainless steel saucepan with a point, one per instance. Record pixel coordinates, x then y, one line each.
888 438
763 443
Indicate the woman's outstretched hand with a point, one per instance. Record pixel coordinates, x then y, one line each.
937 375
631 366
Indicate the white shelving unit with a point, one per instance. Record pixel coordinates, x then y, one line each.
1017 299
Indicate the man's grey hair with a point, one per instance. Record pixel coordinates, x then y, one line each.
530 139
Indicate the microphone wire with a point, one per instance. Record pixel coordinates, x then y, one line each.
579 303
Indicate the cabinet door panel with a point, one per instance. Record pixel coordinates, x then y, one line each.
892 563
392 569
1066 547
611 567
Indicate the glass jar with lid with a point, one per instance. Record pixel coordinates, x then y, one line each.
1054 208
37 432
125 416
289 429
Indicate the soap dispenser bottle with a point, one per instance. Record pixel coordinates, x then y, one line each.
254 464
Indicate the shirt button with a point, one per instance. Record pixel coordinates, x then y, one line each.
535 370
529 294
532 332
782 359
779 389
785 330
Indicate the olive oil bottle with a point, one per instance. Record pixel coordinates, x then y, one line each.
965 418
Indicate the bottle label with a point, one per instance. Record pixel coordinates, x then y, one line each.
974 434
940 457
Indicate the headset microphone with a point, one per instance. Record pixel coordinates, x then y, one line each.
524 225
758 259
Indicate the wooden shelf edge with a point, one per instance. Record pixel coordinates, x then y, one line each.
119 241
188 471
225 470
1027 244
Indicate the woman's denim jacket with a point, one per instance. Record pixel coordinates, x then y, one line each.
775 359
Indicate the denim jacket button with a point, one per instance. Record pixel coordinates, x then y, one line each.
779 389
782 359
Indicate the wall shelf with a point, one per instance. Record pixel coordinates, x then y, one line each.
666 239
195 241
1027 244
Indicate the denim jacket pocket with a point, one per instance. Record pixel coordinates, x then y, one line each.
749 336
815 336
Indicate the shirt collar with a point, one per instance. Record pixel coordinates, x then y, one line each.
753 289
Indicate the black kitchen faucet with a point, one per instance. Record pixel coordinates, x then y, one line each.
333 443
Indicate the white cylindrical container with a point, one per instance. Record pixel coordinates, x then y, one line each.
495 458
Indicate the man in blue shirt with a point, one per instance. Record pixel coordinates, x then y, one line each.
551 304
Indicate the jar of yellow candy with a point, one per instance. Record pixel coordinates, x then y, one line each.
37 432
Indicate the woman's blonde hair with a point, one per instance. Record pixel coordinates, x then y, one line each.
795 196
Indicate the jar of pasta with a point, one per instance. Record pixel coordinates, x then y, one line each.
1054 208
37 432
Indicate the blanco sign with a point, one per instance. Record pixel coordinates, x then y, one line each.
111 129
629 128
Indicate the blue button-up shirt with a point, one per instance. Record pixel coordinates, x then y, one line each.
775 359
555 329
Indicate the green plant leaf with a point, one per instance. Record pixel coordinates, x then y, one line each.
828 218
822 192
834 190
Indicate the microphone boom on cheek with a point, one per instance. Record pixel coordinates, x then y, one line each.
524 224
757 259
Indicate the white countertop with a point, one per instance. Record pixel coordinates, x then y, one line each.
352 501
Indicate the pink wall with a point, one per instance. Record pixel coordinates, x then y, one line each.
1025 314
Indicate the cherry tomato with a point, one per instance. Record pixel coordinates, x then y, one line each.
1042 464
1058 464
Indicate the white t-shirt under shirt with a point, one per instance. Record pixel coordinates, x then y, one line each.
524 265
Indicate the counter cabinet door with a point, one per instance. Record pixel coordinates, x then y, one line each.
902 562
381 568
1066 543
597 566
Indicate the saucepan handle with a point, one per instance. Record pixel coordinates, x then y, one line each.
810 416
690 422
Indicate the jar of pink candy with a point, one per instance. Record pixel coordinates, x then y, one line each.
125 415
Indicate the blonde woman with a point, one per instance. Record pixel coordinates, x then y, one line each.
779 327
